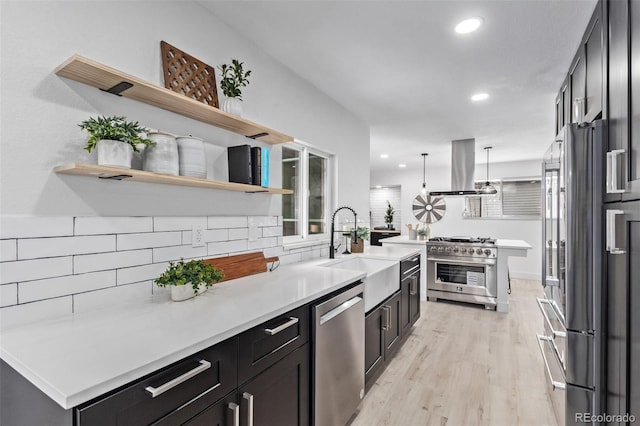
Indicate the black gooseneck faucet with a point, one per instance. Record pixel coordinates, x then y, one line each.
355 227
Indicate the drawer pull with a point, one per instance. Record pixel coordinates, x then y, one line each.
555 384
235 414
413 288
204 365
249 398
278 329
555 333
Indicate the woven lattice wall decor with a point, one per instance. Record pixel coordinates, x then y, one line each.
188 76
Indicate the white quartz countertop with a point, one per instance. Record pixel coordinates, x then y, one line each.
513 244
78 357
500 243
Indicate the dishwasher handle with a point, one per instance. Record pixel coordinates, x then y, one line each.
340 309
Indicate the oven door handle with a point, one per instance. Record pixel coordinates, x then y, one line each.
490 262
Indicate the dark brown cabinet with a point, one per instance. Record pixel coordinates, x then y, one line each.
280 395
383 336
171 396
377 236
585 85
623 156
623 309
409 294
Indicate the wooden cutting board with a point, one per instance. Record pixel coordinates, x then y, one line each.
241 265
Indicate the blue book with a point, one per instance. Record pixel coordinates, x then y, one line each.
265 167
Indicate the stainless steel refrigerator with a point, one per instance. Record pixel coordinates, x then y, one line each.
573 304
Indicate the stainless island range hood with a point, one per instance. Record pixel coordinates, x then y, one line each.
463 164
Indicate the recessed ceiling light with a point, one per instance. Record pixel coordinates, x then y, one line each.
469 25
480 97
402 166
378 186
384 155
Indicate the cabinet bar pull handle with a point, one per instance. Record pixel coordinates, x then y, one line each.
235 414
612 172
413 290
555 384
611 232
249 398
278 329
204 365
555 332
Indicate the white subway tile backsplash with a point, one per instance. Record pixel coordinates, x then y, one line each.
217 222
272 231
112 225
27 270
263 243
51 266
112 296
213 235
8 295
104 261
28 313
28 226
149 240
262 221
55 287
8 250
33 248
164 254
226 247
239 233
140 273
178 223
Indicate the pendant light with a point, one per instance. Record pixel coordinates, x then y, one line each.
488 189
423 191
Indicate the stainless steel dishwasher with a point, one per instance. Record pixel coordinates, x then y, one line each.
338 364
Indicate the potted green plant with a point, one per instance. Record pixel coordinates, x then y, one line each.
233 78
423 233
388 215
115 139
188 279
362 233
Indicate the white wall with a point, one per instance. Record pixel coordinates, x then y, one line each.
39 115
40 111
439 178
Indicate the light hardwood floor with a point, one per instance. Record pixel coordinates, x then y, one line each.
464 365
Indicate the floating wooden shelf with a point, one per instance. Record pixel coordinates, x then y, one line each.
114 173
113 81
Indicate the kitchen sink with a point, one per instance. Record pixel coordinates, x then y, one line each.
382 280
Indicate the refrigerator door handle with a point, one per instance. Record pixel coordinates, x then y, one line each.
612 172
611 231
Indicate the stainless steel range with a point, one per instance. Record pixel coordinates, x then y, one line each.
462 269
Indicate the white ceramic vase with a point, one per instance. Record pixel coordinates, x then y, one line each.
232 106
163 157
192 157
114 154
184 292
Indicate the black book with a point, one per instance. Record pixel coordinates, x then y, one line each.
256 165
239 163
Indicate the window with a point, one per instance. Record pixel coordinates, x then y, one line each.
516 199
306 171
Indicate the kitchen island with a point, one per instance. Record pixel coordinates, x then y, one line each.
78 357
505 249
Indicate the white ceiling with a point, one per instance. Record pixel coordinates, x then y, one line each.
400 66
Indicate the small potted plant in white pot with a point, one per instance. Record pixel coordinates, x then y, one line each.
233 78
115 139
188 279
362 234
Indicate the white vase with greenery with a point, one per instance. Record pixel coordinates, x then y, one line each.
233 78
188 279
115 139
